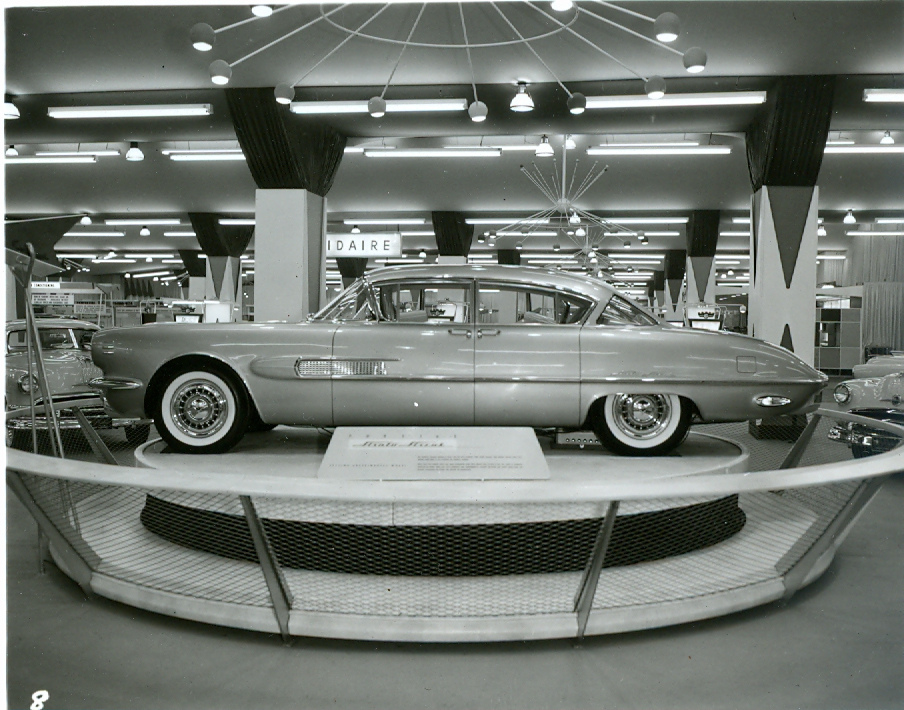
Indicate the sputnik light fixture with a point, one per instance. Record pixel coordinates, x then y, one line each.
665 29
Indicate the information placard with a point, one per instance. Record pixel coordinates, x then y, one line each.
364 245
434 454
52 298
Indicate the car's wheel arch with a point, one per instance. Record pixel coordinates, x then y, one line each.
597 401
161 377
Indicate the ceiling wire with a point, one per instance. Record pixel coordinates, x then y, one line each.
404 47
533 51
339 46
464 30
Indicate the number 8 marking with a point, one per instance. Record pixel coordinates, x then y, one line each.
40 697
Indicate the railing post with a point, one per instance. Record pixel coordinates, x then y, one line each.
276 583
97 444
794 577
797 451
583 598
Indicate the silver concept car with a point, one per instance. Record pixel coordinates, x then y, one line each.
451 345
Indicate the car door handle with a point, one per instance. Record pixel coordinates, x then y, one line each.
488 331
460 331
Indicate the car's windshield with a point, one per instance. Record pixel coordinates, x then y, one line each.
51 339
352 304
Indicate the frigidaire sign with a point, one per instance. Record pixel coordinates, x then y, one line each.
364 245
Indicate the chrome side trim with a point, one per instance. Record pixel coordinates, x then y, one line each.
115 383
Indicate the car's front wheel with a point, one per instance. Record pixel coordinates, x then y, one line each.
641 424
201 412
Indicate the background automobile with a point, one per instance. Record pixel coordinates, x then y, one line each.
66 351
880 398
880 366
451 345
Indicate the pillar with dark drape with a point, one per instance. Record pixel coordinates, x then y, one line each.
350 269
224 246
674 267
197 272
785 145
293 161
42 234
702 237
659 289
453 233
508 256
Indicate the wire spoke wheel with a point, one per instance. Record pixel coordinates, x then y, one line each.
641 424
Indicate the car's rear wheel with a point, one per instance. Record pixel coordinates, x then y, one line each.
641 424
201 411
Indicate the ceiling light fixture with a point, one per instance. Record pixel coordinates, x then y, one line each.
544 149
887 139
890 220
236 221
151 274
648 220
94 234
284 94
85 220
112 260
356 229
433 153
627 245
203 37
691 150
883 95
35 160
220 72
313 108
478 111
695 60
194 157
522 101
9 109
866 232
667 27
376 107
134 153
569 143
422 254
577 103
393 220
849 218
64 153
261 10
561 5
714 98
125 222
144 232
821 231
865 149
655 87
133 111
11 151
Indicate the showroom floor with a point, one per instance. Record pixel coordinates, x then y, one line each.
837 644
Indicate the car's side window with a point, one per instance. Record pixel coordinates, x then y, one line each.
507 304
56 339
83 337
424 301
620 311
352 305
15 341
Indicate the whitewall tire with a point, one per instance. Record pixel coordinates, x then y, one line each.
201 412
642 424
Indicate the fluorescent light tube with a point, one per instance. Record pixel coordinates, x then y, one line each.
890 220
237 221
198 157
652 144
841 141
171 261
431 233
199 151
503 220
433 153
67 153
646 220
94 234
148 256
147 274
142 222
740 220
635 234
76 256
874 149
399 220
884 95
875 234
113 261
151 111
734 234
698 150
33 160
392 106
831 257
727 98
179 234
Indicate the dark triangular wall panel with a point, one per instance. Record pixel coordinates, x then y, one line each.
701 267
790 207
786 339
217 267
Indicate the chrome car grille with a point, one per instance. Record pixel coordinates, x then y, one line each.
333 368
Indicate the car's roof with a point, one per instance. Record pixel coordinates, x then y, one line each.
52 323
535 275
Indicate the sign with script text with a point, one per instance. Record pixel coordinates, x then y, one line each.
364 246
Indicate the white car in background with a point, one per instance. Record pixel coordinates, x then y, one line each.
880 398
881 365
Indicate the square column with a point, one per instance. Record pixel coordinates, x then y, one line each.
289 234
782 295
